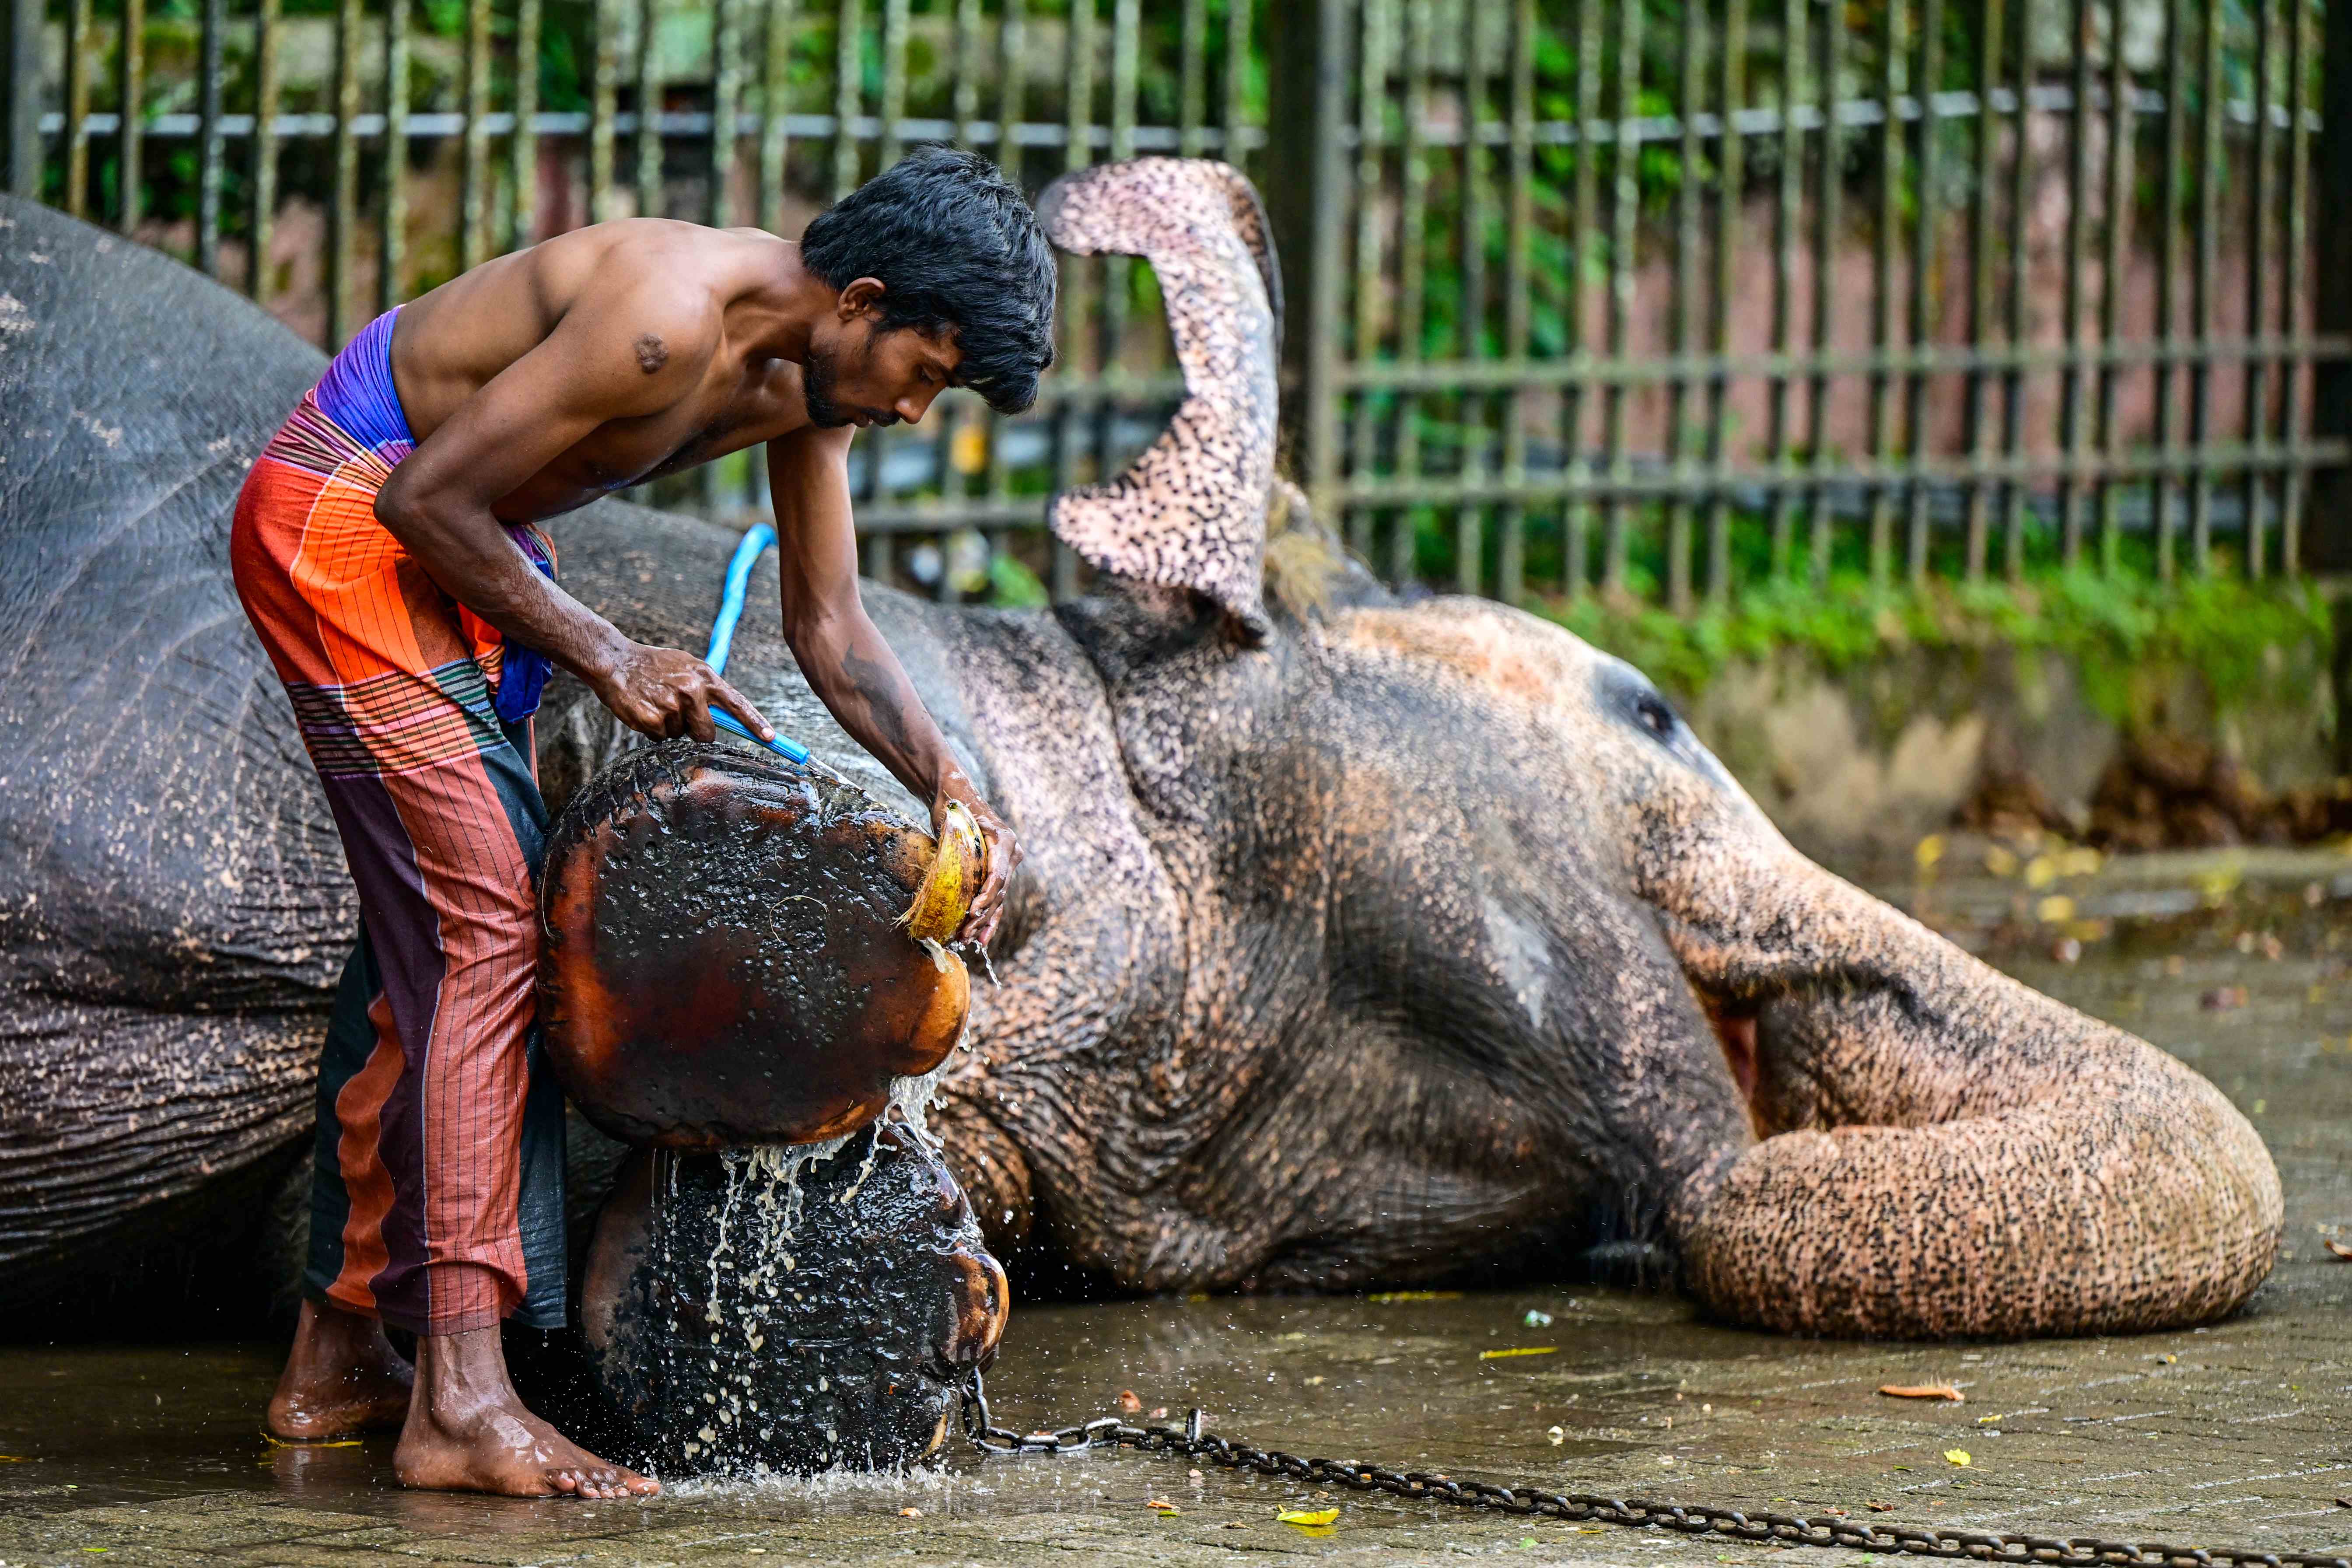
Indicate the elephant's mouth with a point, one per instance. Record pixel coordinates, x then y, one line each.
1941 1151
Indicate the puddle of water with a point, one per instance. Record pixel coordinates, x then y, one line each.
2233 1434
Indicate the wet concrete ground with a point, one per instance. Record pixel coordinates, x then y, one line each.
2240 1434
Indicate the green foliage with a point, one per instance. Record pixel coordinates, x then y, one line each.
2109 627
1012 586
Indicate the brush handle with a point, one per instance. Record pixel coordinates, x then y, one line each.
792 751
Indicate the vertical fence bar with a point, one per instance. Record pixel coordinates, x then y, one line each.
649 109
1372 105
474 141
1238 57
392 221
1690 52
1882 289
343 211
1511 572
131 99
1981 277
2119 204
1788 218
522 146
1583 226
208 137
963 420
1731 172
604 91
1471 411
775 102
1012 86
23 66
1624 220
894 81
76 115
2013 378
1192 80
2203 276
2294 315
1412 265
963 96
726 89
1819 523
261 212
2071 424
720 492
1077 152
848 91
1928 203
2168 274
2256 488
1114 273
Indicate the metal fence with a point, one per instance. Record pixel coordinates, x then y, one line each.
1667 296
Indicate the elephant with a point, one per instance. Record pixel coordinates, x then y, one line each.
1358 941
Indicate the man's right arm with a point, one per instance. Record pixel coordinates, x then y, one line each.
591 370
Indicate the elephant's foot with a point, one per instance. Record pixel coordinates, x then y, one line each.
341 1377
744 1319
468 1430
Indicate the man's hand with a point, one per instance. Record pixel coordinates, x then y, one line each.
664 693
1000 854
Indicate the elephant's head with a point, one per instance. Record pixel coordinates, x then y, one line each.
1484 953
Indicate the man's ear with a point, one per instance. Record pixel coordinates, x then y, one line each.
863 296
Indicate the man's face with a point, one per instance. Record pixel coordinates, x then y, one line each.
865 375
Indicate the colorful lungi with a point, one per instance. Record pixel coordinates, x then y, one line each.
437 1203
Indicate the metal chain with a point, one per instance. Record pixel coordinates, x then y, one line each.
1193 1441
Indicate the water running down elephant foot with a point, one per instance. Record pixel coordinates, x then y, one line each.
342 1378
468 1430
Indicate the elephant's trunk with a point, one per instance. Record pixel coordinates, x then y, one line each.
1945 1152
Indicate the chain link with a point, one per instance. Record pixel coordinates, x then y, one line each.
1192 1441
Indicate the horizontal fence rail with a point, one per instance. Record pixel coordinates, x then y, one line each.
1657 300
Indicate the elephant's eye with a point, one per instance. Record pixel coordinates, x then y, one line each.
1656 716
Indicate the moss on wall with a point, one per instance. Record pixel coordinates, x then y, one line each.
2238 636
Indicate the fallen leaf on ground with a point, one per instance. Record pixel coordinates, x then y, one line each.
2338 1248
1308 1517
1160 1505
1160 1413
1127 1403
1923 1391
1521 1350
1958 1456
1880 1507
911 1513
1385 1297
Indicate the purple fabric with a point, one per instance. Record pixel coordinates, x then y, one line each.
357 392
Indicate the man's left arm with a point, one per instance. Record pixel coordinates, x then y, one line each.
848 664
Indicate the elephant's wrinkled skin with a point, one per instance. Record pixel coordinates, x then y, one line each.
1356 941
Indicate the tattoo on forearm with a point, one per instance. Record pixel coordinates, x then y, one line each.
881 695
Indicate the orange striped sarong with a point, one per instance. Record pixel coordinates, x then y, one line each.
437 1199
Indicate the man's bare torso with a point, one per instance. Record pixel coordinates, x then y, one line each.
453 341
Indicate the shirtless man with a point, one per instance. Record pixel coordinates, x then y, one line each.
384 548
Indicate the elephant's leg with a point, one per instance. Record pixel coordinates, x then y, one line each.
744 1320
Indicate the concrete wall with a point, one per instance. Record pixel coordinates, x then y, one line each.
1861 764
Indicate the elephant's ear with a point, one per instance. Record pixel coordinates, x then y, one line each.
1191 511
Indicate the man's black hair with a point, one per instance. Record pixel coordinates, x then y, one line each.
959 255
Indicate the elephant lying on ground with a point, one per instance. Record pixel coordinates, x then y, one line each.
1356 942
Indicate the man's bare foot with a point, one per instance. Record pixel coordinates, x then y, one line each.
341 1377
468 1431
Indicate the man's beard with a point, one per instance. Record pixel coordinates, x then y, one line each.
820 373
